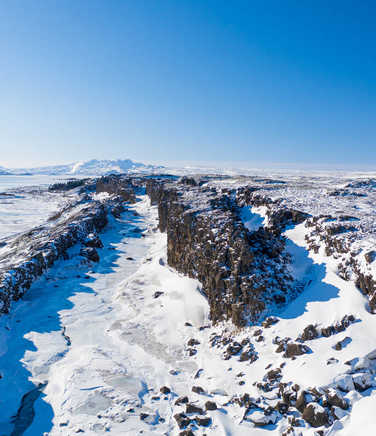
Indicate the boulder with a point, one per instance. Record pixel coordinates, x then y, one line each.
182 420
210 405
90 253
165 390
259 418
192 408
198 390
293 349
315 415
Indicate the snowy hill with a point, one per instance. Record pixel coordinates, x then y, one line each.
90 168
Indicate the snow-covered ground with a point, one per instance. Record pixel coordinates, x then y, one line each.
90 346
26 203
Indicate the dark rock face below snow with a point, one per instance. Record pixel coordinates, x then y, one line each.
244 274
30 254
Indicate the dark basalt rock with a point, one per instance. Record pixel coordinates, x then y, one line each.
191 408
192 342
182 420
293 349
198 390
117 185
90 253
44 246
186 433
315 415
210 405
370 256
333 398
181 400
301 401
67 186
309 333
341 344
243 273
165 390
93 240
203 422
234 348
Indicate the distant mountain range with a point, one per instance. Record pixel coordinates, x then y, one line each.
90 168
4 171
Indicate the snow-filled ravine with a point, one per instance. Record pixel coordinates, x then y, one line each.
90 346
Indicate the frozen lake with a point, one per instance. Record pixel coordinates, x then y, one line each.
14 182
25 202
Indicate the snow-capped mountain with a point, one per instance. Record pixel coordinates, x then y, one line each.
92 167
4 171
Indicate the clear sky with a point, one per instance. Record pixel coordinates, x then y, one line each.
193 80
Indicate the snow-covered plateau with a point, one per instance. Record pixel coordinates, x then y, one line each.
201 305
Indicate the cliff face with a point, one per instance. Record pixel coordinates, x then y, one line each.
31 254
244 274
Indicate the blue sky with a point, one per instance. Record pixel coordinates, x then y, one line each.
289 82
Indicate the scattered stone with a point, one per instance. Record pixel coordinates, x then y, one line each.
182 420
342 344
363 381
188 432
274 375
271 320
309 333
181 400
234 348
259 417
90 253
344 383
301 401
198 390
294 349
191 408
210 405
315 415
333 398
370 256
92 240
165 390
203 422
158 294
192 342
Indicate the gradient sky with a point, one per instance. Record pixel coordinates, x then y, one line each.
193 80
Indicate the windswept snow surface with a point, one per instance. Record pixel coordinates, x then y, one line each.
26 203
99 343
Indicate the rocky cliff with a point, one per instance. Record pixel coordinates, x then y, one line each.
245 274
29 255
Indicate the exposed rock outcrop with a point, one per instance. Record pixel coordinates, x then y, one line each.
244 274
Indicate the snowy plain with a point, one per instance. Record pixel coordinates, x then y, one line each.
91 345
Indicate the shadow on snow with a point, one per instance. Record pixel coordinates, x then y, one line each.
24 410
